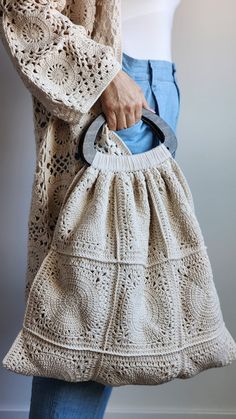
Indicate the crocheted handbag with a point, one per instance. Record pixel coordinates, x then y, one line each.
125 294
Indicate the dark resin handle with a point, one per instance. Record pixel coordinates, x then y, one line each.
163 131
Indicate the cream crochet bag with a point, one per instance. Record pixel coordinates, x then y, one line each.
125 294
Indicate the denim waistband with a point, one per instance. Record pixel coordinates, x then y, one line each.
148 69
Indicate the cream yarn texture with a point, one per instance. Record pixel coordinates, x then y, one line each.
66 53
125 294
119 286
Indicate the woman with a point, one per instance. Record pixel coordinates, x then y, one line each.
69 56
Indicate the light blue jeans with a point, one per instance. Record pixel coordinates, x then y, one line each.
159 83
58 399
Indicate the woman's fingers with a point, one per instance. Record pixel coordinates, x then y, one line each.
122 102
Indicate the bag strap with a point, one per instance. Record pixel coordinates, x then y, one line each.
156 123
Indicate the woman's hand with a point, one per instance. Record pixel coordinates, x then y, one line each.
122 102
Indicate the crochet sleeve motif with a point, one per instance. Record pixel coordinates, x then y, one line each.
57 61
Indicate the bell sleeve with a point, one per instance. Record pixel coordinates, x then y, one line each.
57 61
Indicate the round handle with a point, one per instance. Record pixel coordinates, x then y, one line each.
156 123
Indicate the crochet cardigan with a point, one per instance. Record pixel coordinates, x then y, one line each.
66 52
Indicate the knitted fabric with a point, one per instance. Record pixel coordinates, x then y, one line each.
125 294
66 53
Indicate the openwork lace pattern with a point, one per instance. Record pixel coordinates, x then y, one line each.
65 67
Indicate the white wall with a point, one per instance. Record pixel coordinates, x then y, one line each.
204 51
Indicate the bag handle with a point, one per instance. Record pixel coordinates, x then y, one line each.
156 123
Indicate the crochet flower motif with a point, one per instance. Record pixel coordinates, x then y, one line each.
151 315
70 307
33 33
59 73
